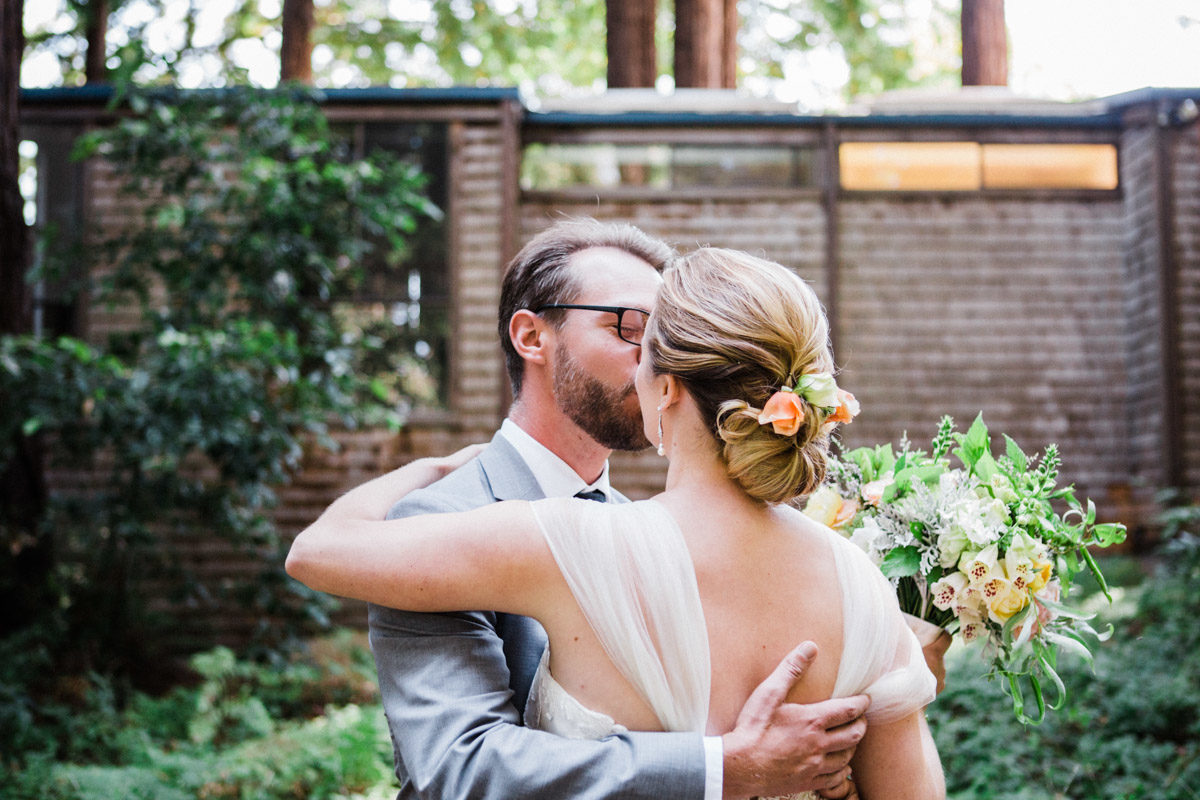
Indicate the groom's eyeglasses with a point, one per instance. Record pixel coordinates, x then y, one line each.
631 322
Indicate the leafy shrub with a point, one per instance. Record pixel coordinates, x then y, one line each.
255 224
306 728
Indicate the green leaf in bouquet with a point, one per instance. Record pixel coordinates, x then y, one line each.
1095 569
943 438
973 443
867 461
926 473
1015 454
901 562
1109 533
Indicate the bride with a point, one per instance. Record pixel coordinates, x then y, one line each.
665 614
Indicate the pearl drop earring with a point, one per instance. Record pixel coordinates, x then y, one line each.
661 451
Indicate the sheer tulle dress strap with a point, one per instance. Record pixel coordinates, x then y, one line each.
880 655
630 571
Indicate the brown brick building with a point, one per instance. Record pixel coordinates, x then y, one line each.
1038 262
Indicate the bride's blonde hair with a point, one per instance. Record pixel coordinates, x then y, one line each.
734 329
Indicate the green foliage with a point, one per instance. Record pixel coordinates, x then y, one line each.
205 741
239 268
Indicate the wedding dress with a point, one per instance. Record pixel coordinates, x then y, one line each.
630 571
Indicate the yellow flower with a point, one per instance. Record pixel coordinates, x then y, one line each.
1003 599
828 508
1042 576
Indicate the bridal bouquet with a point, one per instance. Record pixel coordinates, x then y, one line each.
976 548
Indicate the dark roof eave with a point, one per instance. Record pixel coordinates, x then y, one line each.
640 119
100 94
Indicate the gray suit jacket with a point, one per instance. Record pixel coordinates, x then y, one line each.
453 685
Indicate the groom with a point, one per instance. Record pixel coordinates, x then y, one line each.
572 308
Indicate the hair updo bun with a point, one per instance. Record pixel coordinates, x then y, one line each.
734 329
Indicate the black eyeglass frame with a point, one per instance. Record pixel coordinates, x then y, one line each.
618 310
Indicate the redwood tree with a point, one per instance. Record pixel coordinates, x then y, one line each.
95 68
15 297
632 58
984 43
705 44
296 50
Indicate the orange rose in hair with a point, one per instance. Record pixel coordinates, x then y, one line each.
784 412
847 408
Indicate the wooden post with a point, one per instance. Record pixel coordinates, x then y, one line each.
984 43
632 57
295 52
729 47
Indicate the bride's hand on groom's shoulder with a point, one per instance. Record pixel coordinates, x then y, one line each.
444 465
421 472
780 748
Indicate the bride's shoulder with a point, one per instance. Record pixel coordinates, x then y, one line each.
841 548
801 524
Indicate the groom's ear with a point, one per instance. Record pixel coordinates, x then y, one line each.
529 336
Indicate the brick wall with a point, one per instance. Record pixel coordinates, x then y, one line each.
946 305
1186 225
1142 308
1043 311
1005 306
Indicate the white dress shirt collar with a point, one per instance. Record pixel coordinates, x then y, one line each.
553 475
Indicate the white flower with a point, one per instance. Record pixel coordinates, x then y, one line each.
979 568
872 539
946 591
951 545
819 389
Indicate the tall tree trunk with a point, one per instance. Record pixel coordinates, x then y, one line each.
23 584
15 298
703 44
984 43
729 48
296 50
632 58
95 69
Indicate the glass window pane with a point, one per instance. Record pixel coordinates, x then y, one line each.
561 166
741 167
1050 166
901 166
408 303
664 166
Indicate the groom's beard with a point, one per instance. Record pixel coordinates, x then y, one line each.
600 410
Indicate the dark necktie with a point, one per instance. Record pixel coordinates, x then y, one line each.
592 494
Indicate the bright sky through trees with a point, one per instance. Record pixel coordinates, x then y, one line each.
1062 49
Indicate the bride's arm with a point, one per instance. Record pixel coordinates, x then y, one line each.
899 761
493 557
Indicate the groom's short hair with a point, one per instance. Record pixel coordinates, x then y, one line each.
538 275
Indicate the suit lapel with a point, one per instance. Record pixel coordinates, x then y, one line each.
507 475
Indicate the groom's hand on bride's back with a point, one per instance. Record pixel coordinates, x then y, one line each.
779 748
